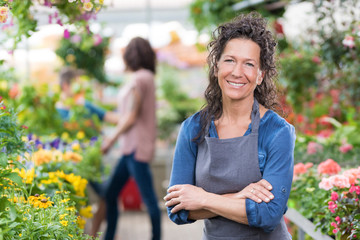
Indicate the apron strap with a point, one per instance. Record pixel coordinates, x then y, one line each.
255 117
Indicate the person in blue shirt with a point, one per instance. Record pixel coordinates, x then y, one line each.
233 160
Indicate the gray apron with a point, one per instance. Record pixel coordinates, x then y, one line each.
228 166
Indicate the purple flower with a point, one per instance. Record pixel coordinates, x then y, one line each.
76 38
55 143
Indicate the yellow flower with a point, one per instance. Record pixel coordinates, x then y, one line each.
24 139
88 6
70 58
101 2
70 235
65 136
81 134
20 235
86 212
76 146
71 209
44 203
42 156
27 176
62 216
65 200
81 222
64 223
75 157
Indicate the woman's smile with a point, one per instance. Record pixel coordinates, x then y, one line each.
235 84
238 69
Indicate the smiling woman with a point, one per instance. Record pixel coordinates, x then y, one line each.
233 161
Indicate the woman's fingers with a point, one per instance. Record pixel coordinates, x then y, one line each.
265 184
260 191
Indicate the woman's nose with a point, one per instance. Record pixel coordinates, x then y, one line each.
237 70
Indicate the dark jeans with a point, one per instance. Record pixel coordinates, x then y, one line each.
127 167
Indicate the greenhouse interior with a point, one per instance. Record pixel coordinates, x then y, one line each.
92 138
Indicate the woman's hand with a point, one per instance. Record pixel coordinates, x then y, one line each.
258 192
106 146
186 196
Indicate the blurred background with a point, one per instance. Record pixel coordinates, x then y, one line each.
318 56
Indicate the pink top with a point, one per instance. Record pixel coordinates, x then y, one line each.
140 138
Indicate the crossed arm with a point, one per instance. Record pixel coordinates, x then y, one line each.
202 204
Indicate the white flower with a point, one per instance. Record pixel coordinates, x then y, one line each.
349 41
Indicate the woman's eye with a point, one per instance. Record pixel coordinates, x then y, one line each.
229 60
250 64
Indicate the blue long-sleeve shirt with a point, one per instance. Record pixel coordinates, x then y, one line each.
276 143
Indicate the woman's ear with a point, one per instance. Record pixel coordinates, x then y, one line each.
260 77
215 71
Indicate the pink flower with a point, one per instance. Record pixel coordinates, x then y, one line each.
340 181
97 39
332 206
338 220
349 41
335 230
314 147
326 133
333 224
66 34
355 189
329 167
326 184
334 196
316 59
353 174
76 38
345 147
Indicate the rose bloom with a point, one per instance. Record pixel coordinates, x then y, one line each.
329 167
345 147
313 147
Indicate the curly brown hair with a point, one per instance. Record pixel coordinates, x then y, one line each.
139 54
253 27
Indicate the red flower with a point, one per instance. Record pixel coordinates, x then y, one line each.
329 167
278 27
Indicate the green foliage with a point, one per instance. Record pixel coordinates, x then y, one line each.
10 134
24 14
37 110
85 53
207 14
298 74
175 104
27 216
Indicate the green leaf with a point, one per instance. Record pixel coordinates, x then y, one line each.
3 160
13 176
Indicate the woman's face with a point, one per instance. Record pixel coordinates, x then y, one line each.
238 69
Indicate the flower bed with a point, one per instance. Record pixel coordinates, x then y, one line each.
329 197
41 195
